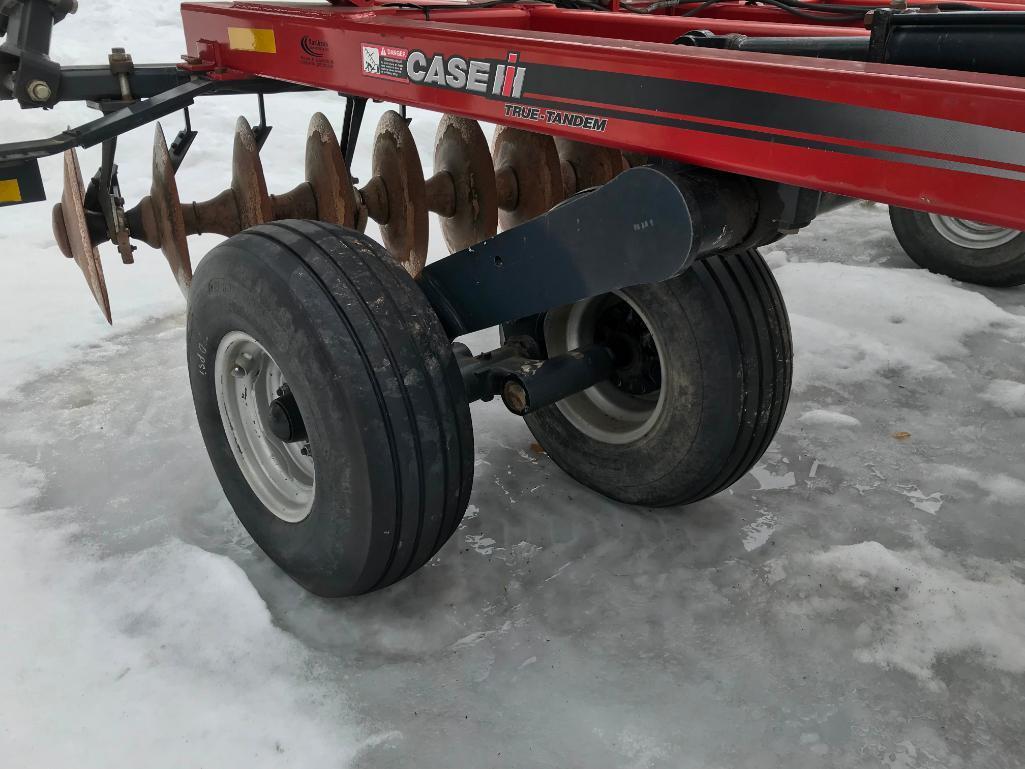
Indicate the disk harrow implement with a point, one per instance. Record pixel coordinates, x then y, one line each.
643 151
466 191
161 221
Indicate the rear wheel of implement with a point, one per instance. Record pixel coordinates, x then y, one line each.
703 378
985 254
330 403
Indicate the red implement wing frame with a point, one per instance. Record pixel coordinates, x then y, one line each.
939 140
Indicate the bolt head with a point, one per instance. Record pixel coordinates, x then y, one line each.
39 91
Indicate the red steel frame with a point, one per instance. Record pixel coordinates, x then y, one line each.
937 140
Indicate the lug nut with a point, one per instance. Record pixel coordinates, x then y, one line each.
39 91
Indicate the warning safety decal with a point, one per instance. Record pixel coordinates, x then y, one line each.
386 62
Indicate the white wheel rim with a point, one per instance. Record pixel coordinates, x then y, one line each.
969 234
603 412
247 381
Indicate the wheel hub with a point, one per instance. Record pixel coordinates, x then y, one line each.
284 420
621 329
624 408
969 234
264 427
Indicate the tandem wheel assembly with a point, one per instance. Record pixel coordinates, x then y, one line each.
333 395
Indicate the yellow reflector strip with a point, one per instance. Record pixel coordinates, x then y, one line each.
10 191
255 40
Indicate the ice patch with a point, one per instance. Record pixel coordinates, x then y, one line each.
757 532
930 503
812 741
559 571
1005 394
482 544
926 605
476 637
904 756
640 750
823 417
775 571
769 481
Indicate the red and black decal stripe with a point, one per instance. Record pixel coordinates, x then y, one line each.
778 118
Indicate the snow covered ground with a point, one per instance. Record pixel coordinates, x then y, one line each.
857 601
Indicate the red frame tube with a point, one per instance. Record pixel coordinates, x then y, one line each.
936 140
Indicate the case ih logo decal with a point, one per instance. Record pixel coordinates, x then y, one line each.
503 79
493 79
484 77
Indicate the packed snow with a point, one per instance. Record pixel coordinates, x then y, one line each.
853 328
858 600
910 608
827 418
1010 396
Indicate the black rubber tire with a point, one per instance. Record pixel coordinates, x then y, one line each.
1002 266
728 363
377 385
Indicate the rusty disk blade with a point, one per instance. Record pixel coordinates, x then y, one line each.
534 162
75 233
328 175
397 164
461 150
592 164
247 179
167 213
